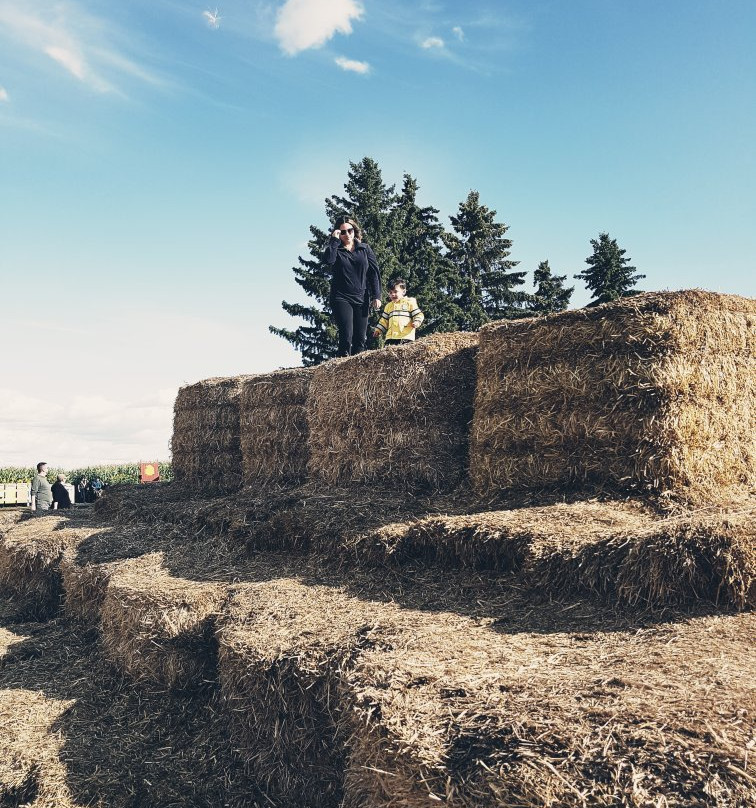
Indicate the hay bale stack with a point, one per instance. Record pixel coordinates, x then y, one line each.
655 393
30 556
159 629
84 586
206 443
682 560
501 540
281 649
447 714
400 415
273 418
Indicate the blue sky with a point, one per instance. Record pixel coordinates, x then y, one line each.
161 162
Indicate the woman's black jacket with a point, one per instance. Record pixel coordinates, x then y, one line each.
356 277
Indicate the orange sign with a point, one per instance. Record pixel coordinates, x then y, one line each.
148 473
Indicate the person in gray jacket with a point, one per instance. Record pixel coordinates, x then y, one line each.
41 490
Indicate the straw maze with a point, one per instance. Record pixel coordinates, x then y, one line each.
344 618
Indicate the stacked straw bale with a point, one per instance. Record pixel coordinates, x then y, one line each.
281 650
206 443
30 556
655 393
159 629
445 714
273 419
400 415
611 551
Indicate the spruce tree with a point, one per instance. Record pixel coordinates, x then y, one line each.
550 294
608 275
421 260
484 283
319 339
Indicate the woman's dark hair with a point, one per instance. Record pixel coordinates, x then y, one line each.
348 220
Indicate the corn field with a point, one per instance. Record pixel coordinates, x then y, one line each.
110 475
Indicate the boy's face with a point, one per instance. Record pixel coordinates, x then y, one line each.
397 293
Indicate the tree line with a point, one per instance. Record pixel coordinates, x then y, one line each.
462 278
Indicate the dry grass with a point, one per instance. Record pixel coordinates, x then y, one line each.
399 415
654 393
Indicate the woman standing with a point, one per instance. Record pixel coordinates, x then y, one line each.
356 281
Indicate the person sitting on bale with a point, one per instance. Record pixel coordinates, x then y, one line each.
401 316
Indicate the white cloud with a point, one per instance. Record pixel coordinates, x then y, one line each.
69 36
351 64
72 61
84 430
432 42
212 18
4 94
459 33
303 24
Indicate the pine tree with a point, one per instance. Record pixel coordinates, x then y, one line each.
371 203
608 275
421 260
484 284
550 294
318 340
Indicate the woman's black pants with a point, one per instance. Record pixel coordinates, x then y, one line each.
352 321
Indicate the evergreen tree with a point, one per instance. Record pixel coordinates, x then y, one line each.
550 294
608 275
370 203
484 284
421 260
319 339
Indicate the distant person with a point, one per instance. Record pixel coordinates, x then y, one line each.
60 494
355 284
96 486
401 316
41 490
81 489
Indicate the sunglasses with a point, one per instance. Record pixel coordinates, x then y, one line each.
348 230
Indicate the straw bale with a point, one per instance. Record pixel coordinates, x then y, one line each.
496 540
282 648
84 586
706 556
655 393
399 415
273 418
157 628
74 732
613 551
206 444
30 565
443 713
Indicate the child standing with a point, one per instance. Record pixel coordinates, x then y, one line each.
400 316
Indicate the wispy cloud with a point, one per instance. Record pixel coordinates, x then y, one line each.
212 18
352 65
304 24
459 33
432 42
68 35
4 94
